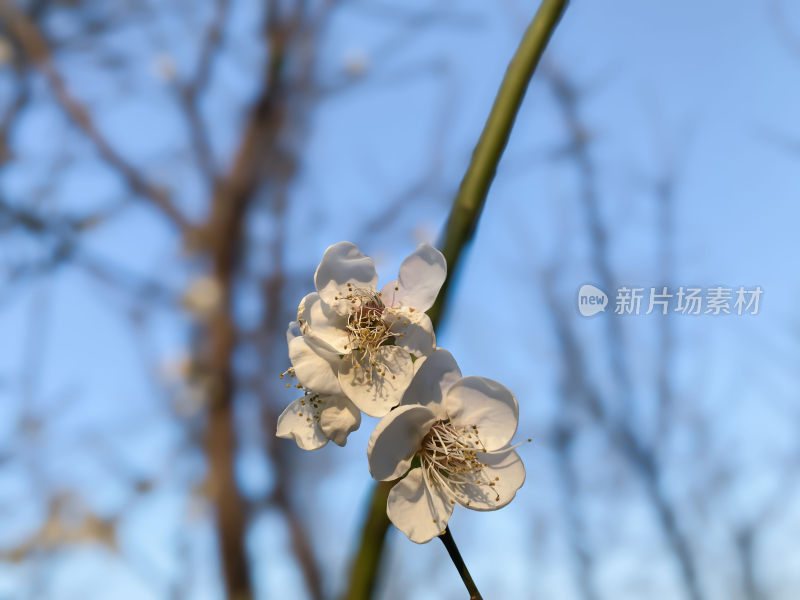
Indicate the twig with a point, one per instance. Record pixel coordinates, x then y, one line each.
642 457
189 93
455 556
36 48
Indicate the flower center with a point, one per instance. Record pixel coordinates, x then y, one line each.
366 327
449 458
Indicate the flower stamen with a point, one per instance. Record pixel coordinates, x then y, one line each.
449 458
367 329
311 402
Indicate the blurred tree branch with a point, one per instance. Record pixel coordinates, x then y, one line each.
30 38
191 92
261 157
616 420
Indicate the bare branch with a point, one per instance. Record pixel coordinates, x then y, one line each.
190 93
38 52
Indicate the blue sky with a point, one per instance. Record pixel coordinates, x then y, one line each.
706 87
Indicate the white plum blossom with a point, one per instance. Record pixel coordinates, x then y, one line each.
452 432
315 419
354 340
323 413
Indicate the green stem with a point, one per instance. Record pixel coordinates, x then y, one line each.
468 203
461 223
364 572
455 556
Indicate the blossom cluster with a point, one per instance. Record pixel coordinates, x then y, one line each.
355 349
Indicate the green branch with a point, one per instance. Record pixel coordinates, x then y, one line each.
464 215
469 201
366 562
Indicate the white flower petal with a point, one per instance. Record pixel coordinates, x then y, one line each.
314 366
320 323
297 422
338 418
390 294
506 471
415 509
413 329
396 439
378 391
421 276
341 264
434 377
486 403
